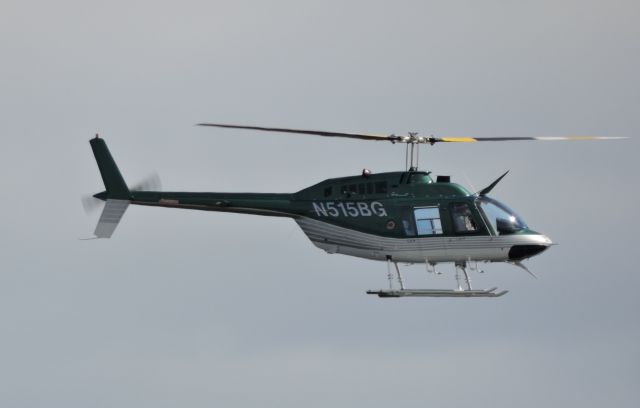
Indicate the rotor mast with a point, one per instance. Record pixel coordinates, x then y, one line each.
412 150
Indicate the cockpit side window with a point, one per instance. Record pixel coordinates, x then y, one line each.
463 221
428 220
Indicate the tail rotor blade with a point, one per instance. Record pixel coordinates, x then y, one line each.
91 204
150 183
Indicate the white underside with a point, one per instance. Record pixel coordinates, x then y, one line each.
334 239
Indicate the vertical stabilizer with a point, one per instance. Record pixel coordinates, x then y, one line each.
117 193
113 181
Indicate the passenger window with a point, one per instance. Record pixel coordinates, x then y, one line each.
361 188
381 187
462 218
428 220
344 189
353 188
328 191
369 188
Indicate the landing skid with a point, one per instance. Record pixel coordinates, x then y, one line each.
459 292
436 293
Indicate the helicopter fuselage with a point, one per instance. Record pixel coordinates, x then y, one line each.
400 216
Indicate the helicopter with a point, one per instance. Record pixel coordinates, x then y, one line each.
395 217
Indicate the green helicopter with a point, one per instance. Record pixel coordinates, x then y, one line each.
394 217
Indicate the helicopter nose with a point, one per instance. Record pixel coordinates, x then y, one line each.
538 244
544 240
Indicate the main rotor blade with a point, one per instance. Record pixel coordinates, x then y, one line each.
364 136
509 139
412 138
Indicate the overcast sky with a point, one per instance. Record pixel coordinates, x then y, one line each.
185 308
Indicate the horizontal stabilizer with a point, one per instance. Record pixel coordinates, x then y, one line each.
111 216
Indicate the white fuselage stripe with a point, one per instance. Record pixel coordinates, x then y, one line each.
335 239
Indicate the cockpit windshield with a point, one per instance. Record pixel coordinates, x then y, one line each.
501 217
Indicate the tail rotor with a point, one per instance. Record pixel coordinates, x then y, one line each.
117 195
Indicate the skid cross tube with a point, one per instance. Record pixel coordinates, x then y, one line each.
437 293
460 269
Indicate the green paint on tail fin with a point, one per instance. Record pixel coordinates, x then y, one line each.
113 181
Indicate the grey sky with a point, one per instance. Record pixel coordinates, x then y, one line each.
195 309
